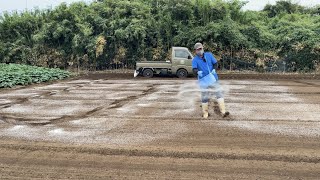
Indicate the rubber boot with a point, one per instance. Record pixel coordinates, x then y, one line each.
205 111
222 107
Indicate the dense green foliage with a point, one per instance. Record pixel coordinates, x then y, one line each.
109 32
16 74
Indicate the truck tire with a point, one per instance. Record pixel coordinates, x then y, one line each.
148 73
182 73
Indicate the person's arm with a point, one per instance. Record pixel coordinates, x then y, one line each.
195 67
195 71
215 66
214 63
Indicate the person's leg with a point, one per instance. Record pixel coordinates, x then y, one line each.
205 104
220 99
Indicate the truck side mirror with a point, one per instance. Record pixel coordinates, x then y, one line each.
189 57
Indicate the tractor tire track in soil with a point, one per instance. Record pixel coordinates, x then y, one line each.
169 154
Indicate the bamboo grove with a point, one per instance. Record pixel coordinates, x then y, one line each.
116 33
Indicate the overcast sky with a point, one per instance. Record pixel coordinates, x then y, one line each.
259 4
20 5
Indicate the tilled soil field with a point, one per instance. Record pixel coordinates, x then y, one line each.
110 126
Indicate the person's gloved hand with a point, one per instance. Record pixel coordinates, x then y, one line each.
200 73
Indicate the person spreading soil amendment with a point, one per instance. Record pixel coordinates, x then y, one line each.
204 65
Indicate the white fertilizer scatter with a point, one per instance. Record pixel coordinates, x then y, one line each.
57 132
189 91
16 128
22 131
131 109
143 105
77 122
130 112
273 110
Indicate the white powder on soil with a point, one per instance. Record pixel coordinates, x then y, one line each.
134 121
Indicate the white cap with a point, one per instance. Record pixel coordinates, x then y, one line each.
198 45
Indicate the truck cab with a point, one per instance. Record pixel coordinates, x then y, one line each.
180 65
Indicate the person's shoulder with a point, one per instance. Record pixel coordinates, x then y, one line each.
209 54
195 58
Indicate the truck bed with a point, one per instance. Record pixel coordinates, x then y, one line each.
154 64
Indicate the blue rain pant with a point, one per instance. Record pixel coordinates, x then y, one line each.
209 92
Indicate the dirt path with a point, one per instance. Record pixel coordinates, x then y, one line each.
109 128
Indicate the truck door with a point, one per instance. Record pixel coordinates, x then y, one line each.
182 59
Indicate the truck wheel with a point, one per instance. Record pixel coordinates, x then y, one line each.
182 73
148 73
